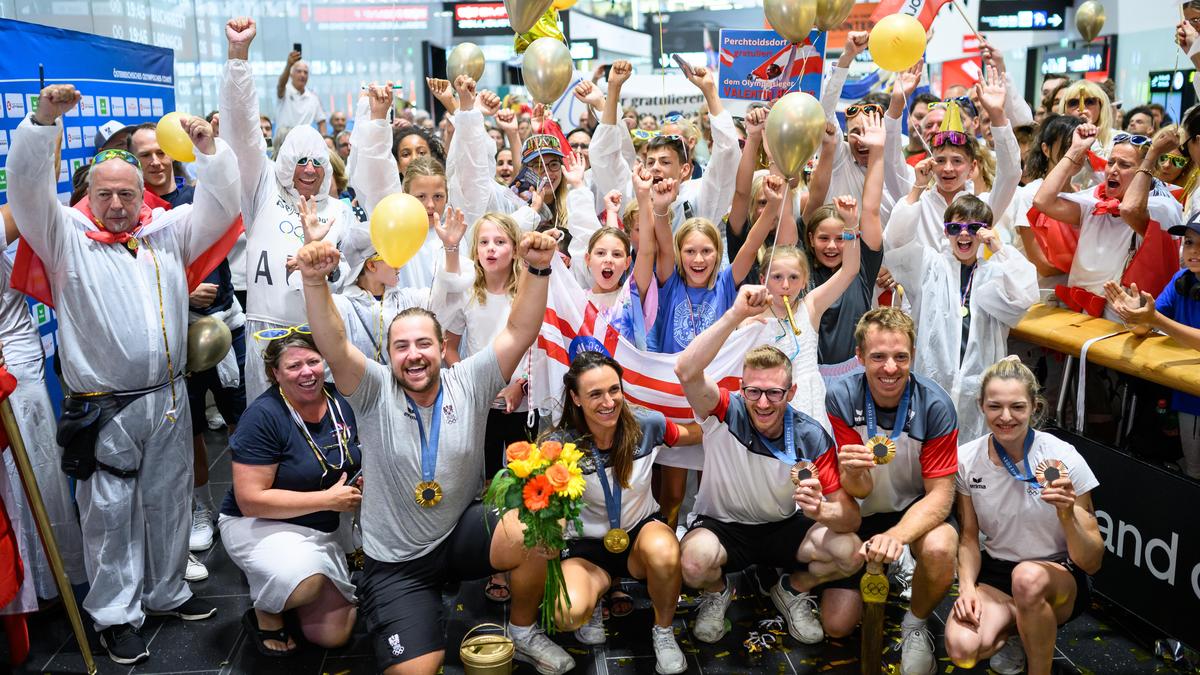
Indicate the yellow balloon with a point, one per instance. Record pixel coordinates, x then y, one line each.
563 4
546 68
793 131
897 42
399 226
793 19
173 139
1089 19
465 59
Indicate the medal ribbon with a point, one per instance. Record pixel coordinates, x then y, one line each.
901 413
788 454
1011 465
966 294
429 445
612 494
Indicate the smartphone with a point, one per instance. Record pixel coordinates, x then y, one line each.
296 47
354 479
525 182
683 65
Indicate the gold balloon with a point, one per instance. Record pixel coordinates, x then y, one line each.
1089 19
547 69
465 59
832 13
793 132
793 19
208 342
522 14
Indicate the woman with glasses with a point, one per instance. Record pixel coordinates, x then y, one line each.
1087 101
963 301
1174 169
296 461
1115 221
271 194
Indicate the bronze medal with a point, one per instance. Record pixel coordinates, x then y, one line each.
1048 471
616 540
803 470
882 448
428 493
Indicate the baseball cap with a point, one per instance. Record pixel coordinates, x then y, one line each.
112 134
1180 230
540 145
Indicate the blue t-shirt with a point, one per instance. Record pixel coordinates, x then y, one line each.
267 435
1186 311
684 313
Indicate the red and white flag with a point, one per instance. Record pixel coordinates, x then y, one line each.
649 377
924 10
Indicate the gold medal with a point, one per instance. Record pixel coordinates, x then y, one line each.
428 493
882 448
1048 471
803 470
132 244
616 540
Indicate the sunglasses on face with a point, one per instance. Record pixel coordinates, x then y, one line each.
116 153
1132 139
1179 161
856 110
279 333
1087 102
580 146
972 228
774 395
316 162
948 138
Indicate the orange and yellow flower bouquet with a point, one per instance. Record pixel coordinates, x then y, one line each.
543 483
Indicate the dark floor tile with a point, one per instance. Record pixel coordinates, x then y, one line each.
178 646
224 577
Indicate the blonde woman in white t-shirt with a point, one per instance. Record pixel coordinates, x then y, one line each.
1041 542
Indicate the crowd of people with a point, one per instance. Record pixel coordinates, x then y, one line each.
875 415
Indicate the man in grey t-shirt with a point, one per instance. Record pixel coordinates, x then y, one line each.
422 433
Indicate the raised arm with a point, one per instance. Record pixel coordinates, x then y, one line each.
1015 108
218 200
818 182
281 85
992 92
537 249
717 183
1046 200
647 250
738 210
822 297
31 176
1135 210
662 195
856 43
372 169
702 392
315 261
773 188
898 177
240 116
875 138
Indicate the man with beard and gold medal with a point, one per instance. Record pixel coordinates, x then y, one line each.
422 429
902 475
624 535
750 509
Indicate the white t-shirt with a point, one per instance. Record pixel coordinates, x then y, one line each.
1104 241
1016 523
296 109
479 324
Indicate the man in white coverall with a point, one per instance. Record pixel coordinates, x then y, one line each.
117 271
271 194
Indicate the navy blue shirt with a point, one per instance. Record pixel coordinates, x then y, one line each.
267 435
1185 310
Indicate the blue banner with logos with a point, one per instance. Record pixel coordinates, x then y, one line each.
123 81
753 64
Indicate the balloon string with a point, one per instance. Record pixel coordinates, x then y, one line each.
778 223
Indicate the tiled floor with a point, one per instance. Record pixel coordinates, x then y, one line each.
1095 643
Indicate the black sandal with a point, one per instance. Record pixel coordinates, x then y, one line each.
250 622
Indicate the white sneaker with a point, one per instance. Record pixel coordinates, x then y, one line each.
668 657
900 574
1010 660
201 538
196 571
800 610
916 651
709 625
213 418
592 632
534 648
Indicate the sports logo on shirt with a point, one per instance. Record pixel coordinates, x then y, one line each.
394 641
448 413
976 483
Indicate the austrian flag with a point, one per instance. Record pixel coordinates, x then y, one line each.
924 10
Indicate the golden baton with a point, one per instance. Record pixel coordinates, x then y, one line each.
874 587
34 495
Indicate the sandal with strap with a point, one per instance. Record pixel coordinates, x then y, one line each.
619 603
250 622
497 592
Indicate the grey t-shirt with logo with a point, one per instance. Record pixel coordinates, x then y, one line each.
394 527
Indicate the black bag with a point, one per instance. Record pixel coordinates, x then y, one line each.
79 427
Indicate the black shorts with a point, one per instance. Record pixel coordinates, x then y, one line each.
772 544
872 525
998 574
593 551
402 602
231 401
502 430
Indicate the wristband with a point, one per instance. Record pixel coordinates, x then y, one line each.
661 215
537 271
850 235
1074 160
451 249
1145 171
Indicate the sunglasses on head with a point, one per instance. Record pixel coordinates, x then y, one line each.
642 134
948 138
964 103
279 333
1132 139
1088 101
116 153
316 162
1179 161
672 118
856 110
972 228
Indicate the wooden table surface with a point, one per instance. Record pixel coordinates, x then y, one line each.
1155 358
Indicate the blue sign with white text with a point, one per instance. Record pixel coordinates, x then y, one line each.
753 64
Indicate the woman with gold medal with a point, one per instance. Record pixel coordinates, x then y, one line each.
623 534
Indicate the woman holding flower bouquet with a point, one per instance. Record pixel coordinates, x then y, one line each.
623 534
